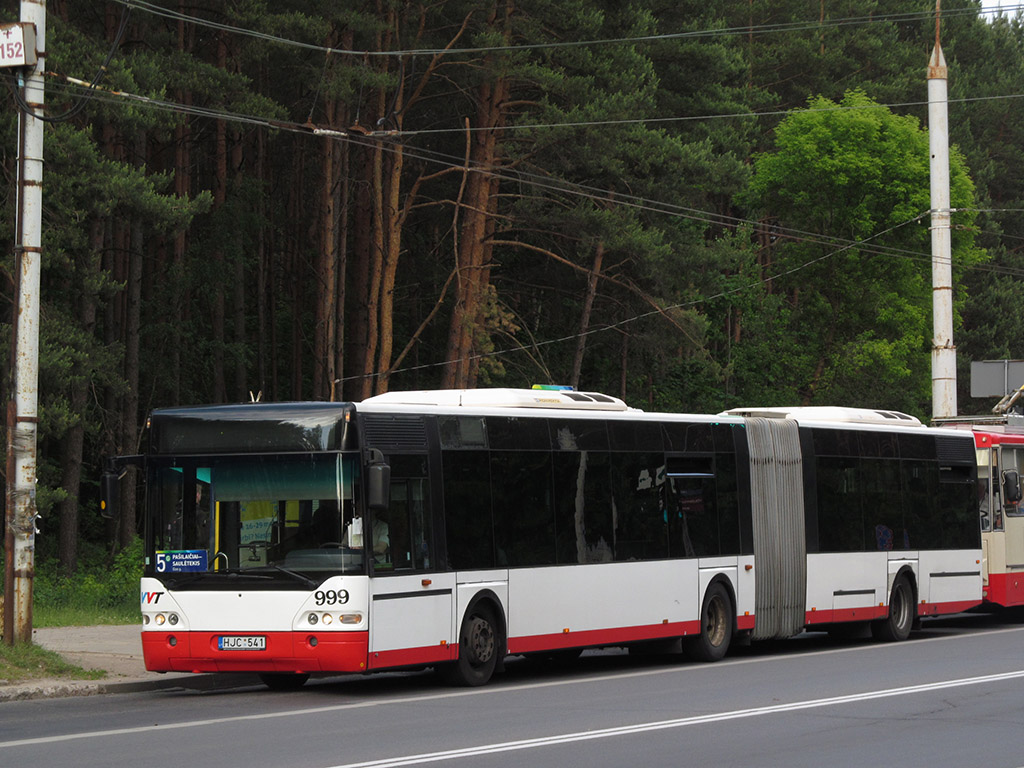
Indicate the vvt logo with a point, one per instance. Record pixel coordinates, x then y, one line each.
151 598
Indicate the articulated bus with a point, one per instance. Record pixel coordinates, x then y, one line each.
451 529
999 441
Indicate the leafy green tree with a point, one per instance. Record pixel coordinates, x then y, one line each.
846 191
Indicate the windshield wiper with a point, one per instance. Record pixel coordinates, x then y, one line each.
311 583
182 578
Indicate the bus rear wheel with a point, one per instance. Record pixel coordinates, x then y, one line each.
479 646
896 626
283 681
716 622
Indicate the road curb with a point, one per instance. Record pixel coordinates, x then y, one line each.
56 689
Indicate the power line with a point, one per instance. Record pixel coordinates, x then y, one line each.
569 188
636 318
390 134
518 176
759 29
691 118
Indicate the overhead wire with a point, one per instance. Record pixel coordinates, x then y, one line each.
24 106
518 176
759 29
564 187
536 345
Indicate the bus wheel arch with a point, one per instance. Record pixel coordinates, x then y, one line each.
717 623
482 642
902 609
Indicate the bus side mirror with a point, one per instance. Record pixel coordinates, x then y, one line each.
110 493
378 486
1011 486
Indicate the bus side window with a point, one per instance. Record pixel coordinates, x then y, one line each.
403 535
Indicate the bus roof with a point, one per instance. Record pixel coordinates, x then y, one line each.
830 413
502 398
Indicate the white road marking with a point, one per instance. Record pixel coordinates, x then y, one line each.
629 730
499 689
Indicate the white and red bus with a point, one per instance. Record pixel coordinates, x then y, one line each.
1000 446
453 528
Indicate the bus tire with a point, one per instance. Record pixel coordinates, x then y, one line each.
716 621
283 681
897 625
479 647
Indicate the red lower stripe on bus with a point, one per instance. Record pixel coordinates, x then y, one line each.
941 609
284 652
1005 589
871 613
598 637
846 614
411 657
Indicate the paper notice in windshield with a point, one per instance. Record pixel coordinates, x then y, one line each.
355 533
177 561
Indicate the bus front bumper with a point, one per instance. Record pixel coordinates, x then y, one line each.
306 651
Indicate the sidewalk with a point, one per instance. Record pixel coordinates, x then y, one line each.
118 651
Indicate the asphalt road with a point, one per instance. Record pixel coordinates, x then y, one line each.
951 696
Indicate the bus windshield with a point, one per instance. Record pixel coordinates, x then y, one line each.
247 514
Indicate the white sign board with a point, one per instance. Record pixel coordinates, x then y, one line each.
17 45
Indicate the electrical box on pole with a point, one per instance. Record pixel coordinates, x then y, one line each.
18 45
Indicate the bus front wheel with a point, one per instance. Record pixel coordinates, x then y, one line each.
479 647
896 626
716 622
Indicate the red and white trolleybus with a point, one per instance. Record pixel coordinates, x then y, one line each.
453 528
999 441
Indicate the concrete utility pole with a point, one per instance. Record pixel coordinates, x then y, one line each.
22 409
943 351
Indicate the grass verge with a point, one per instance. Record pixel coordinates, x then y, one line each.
25 661
84 615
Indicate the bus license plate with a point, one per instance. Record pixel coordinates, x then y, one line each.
242 643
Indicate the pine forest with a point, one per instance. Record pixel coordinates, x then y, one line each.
691 205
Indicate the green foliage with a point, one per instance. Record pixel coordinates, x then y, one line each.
26 661
648 151
105 590
847 186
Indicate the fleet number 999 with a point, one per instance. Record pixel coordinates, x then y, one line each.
331 597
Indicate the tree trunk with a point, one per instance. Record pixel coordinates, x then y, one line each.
588 306
220 183
238 300
262 271
357 305
473 255
326 273
73 445
133 317
341 292
182 189
393 223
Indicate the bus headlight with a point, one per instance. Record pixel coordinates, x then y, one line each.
159 619
312 618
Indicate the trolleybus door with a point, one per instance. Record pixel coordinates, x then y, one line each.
411 602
